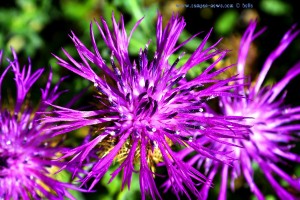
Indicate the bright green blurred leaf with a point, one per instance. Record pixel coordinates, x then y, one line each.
181 62
192 44
255 166
133 193
253 197
79 10
197 70
275 7
226 22
137 41
297 171
284 183
65 176
115 185
78 195
270 197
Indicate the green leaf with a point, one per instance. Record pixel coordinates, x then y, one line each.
78 195
270 197
107 13
284 183
134 192
192 44
255 166
226 22
181 62
275 7
297 171
64 176
197 70
137 41
114 186
253 197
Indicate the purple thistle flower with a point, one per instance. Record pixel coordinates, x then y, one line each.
275 127
27 152
147 107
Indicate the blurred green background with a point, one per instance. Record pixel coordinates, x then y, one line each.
37 28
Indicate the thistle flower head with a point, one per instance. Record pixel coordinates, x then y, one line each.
147 107
275 126
26 151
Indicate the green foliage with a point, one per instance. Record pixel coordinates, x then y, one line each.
225 23
21 25
65 176
275 7
78 10
270 197
193 44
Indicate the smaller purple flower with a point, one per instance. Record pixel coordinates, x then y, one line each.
275 128
27 150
